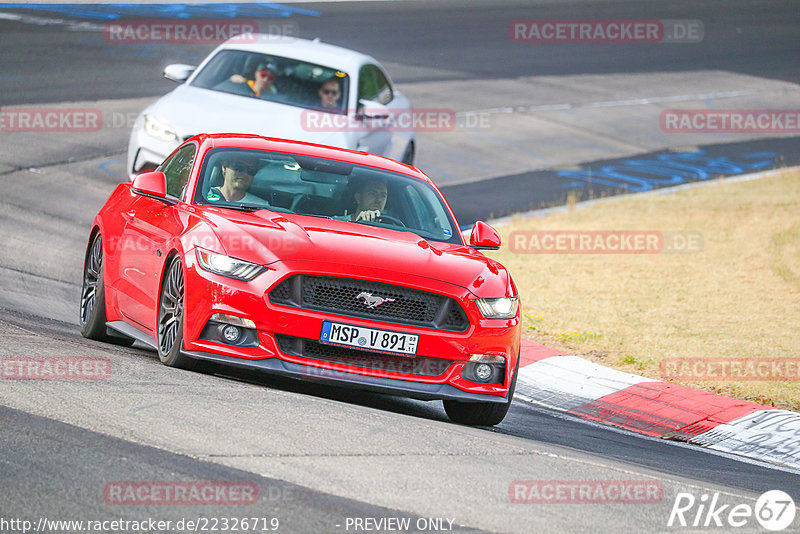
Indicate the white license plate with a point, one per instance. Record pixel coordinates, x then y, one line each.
368 338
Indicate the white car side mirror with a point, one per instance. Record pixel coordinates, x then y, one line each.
369 109
178 72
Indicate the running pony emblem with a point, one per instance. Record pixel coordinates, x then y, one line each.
372 301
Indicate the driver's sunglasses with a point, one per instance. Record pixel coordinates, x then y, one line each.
266 74
240 167
330 91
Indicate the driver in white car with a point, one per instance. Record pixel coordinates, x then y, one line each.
262 84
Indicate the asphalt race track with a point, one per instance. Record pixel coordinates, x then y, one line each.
557 118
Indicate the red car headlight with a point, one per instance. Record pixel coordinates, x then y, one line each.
502 308
227 266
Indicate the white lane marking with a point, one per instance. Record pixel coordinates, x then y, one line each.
572 375
47 21
767 435
616 103
560 414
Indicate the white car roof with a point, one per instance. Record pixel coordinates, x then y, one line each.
326 55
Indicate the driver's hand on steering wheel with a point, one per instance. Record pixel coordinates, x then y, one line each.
368 215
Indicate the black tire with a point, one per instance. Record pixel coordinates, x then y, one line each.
408 155
93 298
481 413
170 319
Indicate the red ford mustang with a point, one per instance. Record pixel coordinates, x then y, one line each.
305 261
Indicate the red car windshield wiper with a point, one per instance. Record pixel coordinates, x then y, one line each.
249 208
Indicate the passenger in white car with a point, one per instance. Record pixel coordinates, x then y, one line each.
329 93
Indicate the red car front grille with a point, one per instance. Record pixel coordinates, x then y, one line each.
356 298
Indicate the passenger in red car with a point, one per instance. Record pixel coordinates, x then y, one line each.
239 175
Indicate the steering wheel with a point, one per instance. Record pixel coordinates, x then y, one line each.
391 220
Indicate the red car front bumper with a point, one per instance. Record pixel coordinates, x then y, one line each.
436 371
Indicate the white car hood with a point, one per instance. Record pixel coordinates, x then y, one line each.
192 110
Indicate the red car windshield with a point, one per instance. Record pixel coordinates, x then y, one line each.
242 179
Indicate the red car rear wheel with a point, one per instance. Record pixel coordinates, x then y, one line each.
93 300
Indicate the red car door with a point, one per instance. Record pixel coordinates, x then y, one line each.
147 238
145 242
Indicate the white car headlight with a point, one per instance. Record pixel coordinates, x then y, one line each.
227 266
159 128
502 308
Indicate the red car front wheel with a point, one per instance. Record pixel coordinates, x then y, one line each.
170 318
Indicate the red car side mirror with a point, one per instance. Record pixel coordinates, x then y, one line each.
484 236
151 184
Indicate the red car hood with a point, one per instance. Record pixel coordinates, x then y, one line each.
265 237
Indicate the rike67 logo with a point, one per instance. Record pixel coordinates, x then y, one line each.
774 510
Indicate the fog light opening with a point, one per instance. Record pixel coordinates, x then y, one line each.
231 333
230 330
483 371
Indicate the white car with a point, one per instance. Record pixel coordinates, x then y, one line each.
219 96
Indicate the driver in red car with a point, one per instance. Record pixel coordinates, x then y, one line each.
369 199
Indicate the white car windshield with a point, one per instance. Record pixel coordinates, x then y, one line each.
248 180
275 78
